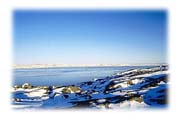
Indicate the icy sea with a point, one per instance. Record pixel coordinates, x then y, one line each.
65 75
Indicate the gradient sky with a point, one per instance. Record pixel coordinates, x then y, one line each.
89 37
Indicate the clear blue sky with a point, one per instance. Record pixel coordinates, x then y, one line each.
89 37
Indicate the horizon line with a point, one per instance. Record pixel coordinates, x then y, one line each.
19 66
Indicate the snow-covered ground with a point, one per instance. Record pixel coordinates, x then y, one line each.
138 88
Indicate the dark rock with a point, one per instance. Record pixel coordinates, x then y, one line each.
156 96
65 96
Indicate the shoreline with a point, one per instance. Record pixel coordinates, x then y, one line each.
137 88
31 66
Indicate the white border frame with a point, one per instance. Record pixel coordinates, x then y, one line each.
6 10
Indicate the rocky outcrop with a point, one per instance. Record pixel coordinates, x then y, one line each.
71 89
140 87
156 96
27 86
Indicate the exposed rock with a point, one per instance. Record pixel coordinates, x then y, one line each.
26 86
65 96
16 99
129 82
71 89
156 96
44 87
137 99
133 88
16 87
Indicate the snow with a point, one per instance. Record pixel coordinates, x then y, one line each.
37 93
101 100
136 81
113 92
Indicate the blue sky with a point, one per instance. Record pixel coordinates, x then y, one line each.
89 37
